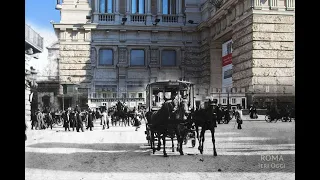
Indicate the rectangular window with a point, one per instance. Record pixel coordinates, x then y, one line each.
124 95
105 57
94 95
137 57
169 7
233 100
106 6
137 6
133 95
104 95
114 95
140 95
70 88
224 101
168 58
108 95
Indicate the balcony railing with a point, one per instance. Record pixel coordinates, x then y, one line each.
106 17
138 18
33 38
170 18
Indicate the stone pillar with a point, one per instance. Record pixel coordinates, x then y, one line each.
96 6
149 7
159 7
128 9
116 6
273 4
148 11
256 4
180 7
215 65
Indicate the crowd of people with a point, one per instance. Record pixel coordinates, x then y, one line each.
77 119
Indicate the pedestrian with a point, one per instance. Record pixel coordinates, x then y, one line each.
66 119
72 120
40 123
137 122
79 123
105 119
34 122
238 115
90 120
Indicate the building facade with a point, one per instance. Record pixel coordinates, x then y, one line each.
111 49
48 90
33 46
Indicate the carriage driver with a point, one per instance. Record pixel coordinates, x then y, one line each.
174 99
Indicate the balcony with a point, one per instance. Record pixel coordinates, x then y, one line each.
169 18
33 40
106 17
138 18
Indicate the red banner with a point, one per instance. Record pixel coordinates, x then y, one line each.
226 60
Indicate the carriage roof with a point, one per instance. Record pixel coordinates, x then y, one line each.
168 84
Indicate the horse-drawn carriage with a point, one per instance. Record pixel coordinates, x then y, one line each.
168 105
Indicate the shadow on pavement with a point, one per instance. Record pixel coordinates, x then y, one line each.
122 157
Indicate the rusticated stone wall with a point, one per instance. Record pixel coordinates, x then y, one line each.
263 52
273 53
75 65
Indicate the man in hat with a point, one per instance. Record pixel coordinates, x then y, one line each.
90 120
238 116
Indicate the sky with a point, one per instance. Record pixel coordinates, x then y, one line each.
38 14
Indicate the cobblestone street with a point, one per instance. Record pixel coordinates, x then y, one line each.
258 151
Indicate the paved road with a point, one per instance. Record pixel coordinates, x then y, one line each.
259 151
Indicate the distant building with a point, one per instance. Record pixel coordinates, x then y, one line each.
33 46
111 49
48 82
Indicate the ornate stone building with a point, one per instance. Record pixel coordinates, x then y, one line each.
110 49
48 91
33 46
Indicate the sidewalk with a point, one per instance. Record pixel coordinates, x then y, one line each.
247 118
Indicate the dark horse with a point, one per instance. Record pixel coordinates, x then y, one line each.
164 124
206 119
119 114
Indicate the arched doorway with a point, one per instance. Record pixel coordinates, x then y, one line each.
46 101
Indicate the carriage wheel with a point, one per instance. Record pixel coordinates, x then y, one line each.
193 142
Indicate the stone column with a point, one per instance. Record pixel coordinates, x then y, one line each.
128 4
256 4
148 12
273 4
215 65
116 6
159 7
149 7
